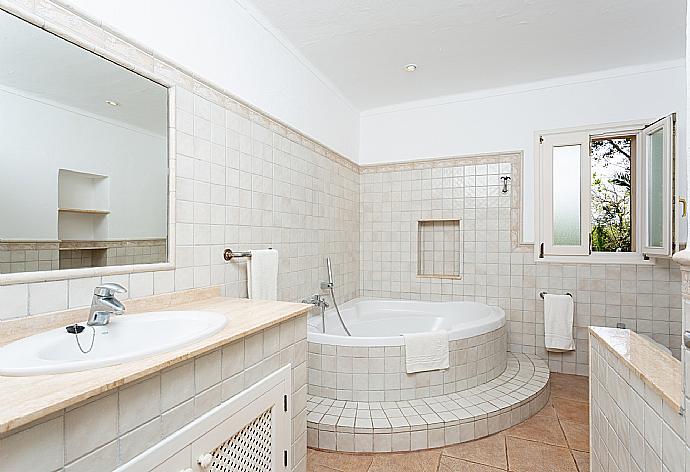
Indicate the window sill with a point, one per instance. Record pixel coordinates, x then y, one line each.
611 258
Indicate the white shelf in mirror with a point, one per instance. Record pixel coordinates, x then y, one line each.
85 210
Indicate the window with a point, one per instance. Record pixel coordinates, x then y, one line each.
613 193
606 192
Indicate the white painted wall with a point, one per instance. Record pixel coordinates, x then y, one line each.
46 138
506 119
222 41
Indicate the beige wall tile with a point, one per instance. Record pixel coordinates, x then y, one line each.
48 296
90 426
14 301
177 385
39 447
139 403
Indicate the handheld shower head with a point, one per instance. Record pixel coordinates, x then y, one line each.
329 284
330 270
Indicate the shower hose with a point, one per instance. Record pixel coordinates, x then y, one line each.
337 310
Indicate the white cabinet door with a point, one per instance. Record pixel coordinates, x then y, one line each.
250 432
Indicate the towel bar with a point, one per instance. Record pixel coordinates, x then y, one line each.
541 294
228 254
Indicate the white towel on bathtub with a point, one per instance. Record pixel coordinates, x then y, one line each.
426 351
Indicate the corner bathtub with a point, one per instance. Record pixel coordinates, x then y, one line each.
370 364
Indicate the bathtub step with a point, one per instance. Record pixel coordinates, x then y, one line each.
349 426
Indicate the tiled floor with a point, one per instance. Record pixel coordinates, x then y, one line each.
555 440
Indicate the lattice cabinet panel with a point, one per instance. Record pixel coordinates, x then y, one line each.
249 450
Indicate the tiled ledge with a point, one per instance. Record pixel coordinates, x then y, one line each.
520 392
661 371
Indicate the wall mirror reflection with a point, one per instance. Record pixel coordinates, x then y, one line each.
83 157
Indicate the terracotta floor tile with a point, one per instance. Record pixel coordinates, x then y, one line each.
572 387
530 456
338 461
311 467
577 435
582 461
489 451
420 461
543 427
451 464
547 411
570 410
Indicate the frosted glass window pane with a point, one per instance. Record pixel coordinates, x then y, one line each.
655 189
566 195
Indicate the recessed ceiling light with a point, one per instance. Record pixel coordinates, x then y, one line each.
411 67
112 103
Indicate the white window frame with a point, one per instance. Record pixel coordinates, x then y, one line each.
556 140
549 253
667 238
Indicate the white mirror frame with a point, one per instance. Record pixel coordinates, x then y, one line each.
64 274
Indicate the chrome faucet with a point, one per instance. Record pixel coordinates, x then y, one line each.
316 300
104 304
319 301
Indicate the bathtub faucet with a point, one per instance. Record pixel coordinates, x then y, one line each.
318 300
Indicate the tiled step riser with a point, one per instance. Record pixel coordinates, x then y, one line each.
427 438
521 391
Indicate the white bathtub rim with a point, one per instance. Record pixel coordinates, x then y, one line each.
497 320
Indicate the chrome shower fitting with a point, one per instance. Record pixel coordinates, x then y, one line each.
319 301
329 285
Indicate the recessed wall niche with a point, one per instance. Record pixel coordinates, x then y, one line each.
439 248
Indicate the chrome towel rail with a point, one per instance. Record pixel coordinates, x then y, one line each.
541 294
229 255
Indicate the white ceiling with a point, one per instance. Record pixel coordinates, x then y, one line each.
361 46
39 64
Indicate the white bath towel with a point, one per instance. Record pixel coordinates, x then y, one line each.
262 275
558 322
426 351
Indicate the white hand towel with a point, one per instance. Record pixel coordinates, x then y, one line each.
426 351
262 275
558 323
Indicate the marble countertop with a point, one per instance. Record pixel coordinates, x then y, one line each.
657 368
26 399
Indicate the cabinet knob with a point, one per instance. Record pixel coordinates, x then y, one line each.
204 460
686 339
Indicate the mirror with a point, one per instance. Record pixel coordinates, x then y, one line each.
83 157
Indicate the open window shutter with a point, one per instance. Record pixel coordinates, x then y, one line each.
657 187
566 183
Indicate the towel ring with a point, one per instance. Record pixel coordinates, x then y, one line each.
541 294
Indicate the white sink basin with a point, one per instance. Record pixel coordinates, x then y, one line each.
126 338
